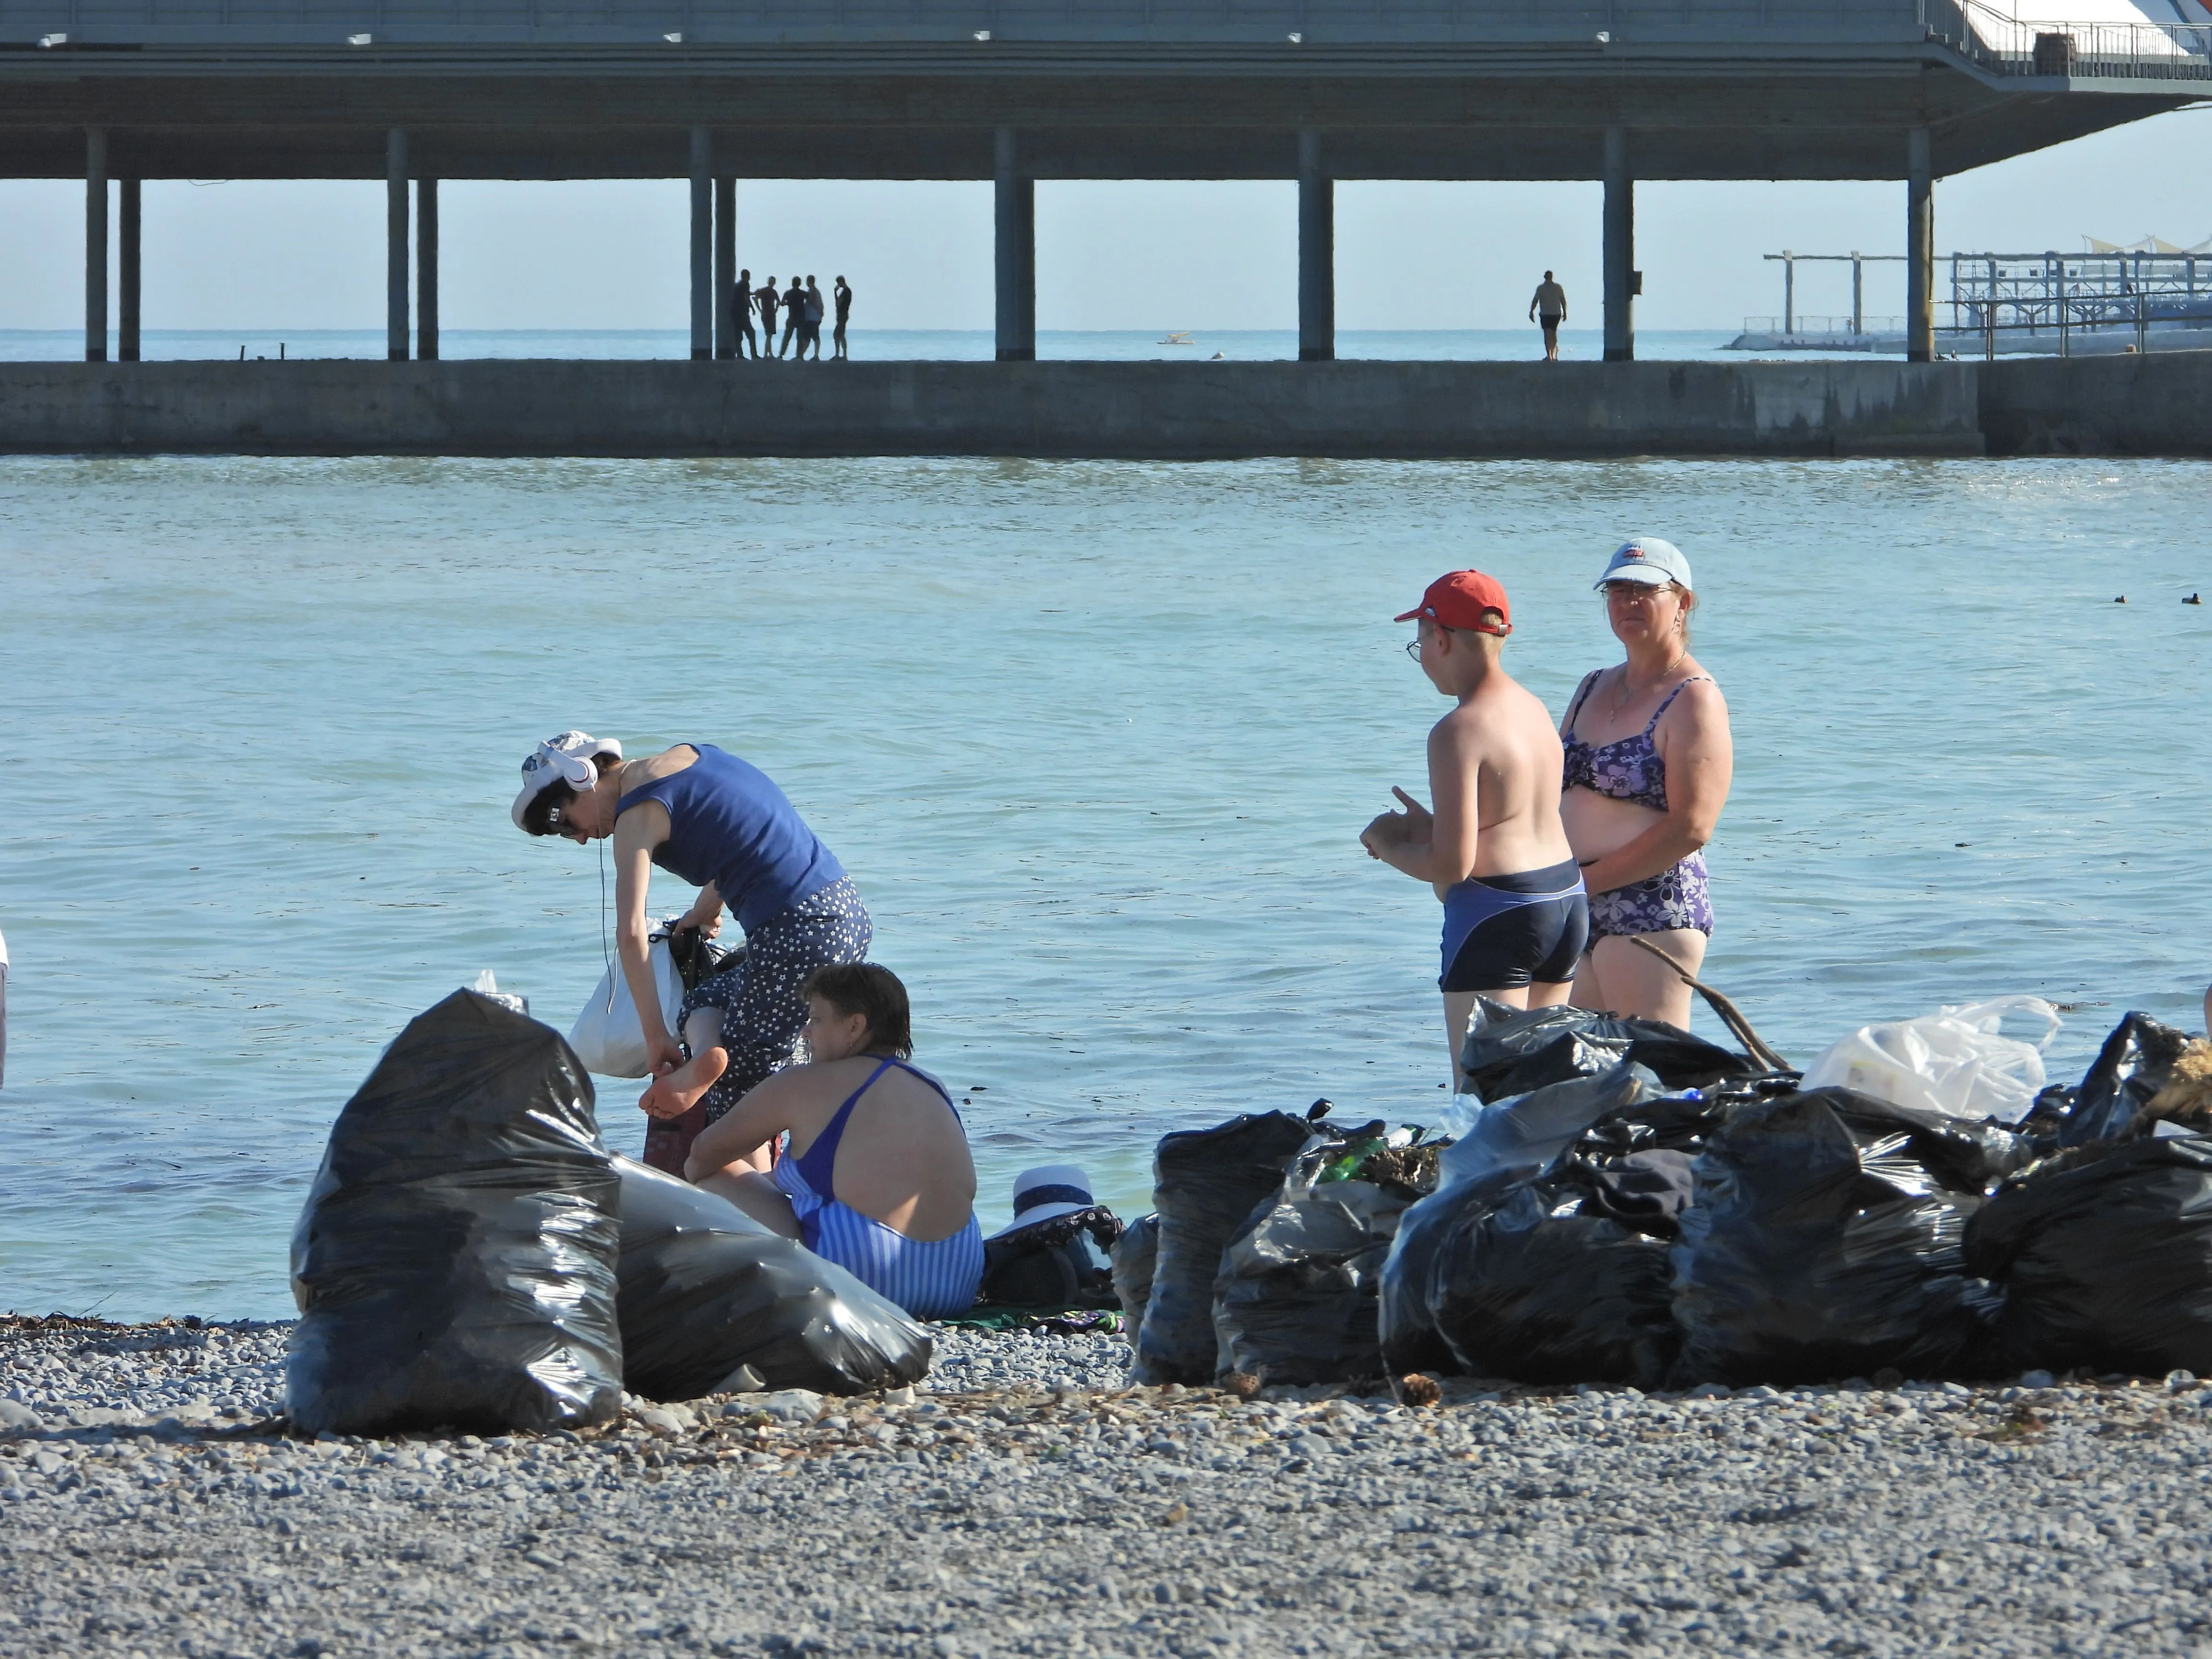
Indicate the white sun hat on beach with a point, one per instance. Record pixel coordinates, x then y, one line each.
1648 559
1046 1194
565 758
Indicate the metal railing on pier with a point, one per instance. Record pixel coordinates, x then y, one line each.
1805 326
2079 294
2008 45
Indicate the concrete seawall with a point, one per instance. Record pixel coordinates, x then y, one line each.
1178 411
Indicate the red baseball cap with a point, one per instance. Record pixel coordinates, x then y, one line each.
1459 600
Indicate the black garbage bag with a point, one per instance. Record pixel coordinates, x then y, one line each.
1295 1301
2134 1063
1056 1266
706 1291
2104 1256
1907 1144
1819 1247
1135 1254
1533 1289
1512 1051
1508 1145
454 1264
1407 1336
1205 1182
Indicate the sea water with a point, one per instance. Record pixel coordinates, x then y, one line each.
1096 741
900 345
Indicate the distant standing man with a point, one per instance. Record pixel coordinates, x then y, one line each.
794 312
744 308
811 333
1549 310
767 299
843 295
1516 915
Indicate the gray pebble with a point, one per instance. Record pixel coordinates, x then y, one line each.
1025 1500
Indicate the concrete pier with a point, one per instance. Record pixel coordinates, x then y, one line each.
726 268
1316 252
128 262
1621 277
2160 404
1014 248
702 243
95 245
395 245
426 269
1919 249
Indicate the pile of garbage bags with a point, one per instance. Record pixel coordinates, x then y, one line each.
471 1256
1761 1229
1619 1201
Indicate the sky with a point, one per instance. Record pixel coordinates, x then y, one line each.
1110 255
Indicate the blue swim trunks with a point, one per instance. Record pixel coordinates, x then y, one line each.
1501 932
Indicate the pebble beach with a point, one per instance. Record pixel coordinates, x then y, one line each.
1026 1499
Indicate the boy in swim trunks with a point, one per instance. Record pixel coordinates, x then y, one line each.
1516 917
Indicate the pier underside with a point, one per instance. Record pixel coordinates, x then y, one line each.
1450 114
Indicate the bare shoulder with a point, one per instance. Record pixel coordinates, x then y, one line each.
1464 730
1702 695
668 761
804 1095
1699 706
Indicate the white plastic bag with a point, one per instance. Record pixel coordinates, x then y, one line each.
1952 1061
607 1036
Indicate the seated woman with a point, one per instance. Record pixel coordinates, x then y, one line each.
877 1177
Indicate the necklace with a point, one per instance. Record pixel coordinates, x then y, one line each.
1623 696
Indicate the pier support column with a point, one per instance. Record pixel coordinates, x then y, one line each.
726 268
126 270
95 245
702 244
1919 250
1316 253
1015 242
426 269
1621 279
395 246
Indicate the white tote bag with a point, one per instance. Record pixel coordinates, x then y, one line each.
607 1036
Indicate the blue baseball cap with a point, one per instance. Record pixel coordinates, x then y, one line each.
1647 559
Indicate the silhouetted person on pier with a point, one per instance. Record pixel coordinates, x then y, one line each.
794 312
767 299
810 327
1549 309
741 307
843 295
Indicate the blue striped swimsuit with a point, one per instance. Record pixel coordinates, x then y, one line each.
931 1281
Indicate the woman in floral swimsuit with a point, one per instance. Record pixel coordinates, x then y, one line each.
1648 762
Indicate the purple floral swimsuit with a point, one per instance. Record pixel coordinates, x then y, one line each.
1677 898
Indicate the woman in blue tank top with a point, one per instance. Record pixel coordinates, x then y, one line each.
712 819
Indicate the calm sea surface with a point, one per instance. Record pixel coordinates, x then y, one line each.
891 344
1094 740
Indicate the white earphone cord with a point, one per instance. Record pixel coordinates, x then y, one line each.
607 956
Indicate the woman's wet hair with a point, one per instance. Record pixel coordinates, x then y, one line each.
873 991
537 816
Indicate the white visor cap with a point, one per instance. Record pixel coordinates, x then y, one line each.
1648 559
563 759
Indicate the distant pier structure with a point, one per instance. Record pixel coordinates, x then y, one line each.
412 92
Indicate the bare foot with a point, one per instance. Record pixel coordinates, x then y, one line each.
677 1092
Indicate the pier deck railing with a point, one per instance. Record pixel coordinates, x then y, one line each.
2007 46
1801 325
